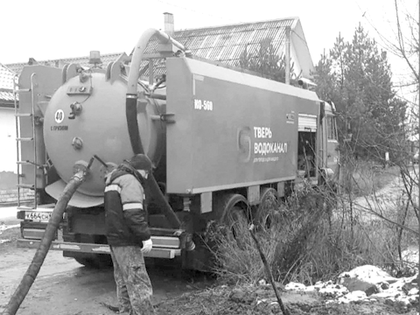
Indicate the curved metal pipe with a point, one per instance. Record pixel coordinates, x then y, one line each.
139 51
133 76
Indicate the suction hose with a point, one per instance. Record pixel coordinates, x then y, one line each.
39 257
133 76
133 128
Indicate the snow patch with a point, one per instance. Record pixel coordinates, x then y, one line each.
411 255
368 273
4 227
391 290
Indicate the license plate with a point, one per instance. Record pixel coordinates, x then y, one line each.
38 216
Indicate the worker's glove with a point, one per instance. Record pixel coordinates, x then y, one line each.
147 246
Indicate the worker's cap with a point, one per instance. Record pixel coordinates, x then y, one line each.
141 162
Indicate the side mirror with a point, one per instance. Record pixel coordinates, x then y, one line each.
322 111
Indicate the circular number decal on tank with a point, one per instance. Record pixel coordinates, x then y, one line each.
59 116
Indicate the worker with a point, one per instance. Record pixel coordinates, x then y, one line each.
128 234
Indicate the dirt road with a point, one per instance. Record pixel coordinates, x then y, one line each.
65 287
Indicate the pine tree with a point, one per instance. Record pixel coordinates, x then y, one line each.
356 76
266 62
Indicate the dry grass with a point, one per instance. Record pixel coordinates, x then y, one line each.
284 237
306 241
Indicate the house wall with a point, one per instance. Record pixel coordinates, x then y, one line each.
297 69
301 51
7 140
10 196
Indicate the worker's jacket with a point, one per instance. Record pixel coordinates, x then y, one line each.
125 209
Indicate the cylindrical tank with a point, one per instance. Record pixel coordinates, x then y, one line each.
87 116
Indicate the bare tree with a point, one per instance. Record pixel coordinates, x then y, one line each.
405 46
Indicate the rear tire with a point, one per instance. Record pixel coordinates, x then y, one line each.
267 209
94 261
236 215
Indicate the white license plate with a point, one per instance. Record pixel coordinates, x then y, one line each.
38 216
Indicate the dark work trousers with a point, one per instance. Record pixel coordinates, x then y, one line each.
134 288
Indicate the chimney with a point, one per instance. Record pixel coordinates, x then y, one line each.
32 61
169 23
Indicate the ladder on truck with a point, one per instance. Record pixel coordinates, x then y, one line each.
19 114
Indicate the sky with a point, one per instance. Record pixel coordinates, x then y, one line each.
55 29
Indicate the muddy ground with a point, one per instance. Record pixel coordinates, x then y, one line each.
65 287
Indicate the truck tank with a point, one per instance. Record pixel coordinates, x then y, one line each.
86 118
211 129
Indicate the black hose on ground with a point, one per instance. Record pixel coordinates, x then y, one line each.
283 308
28 279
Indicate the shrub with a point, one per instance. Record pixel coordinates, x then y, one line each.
314 235
283 233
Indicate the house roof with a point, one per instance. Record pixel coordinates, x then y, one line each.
224 44
59 63
227 43
6 86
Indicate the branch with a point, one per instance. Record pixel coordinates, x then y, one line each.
401 42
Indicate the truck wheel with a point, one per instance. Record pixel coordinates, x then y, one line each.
268 207
236 214
94 261
230 221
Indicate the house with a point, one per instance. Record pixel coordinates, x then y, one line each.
225 44
7 121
